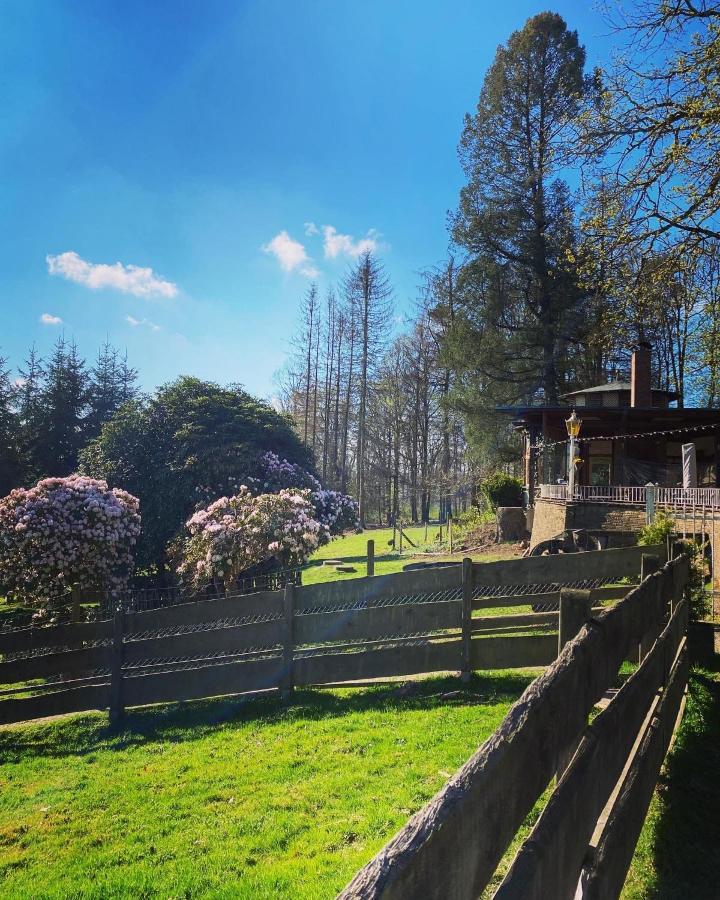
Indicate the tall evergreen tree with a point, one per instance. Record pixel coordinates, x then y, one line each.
64 405
112 383
515 217
10 454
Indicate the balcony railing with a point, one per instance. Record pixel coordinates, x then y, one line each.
626 494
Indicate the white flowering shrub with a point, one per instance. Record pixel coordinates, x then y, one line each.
234 533
65 532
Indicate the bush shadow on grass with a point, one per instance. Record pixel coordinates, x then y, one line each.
186 721
686 837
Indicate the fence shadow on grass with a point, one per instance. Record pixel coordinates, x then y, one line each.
687 832
180 722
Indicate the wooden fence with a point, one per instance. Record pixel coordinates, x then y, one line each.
426 620
606 771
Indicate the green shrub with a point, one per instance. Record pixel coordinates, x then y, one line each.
473 518
502 490
658 532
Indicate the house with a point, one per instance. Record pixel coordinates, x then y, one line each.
630 436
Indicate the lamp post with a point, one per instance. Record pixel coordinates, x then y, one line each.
573 425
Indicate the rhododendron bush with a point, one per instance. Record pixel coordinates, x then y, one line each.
336 510
65 532
234 533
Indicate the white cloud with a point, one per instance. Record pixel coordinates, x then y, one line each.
336 244
311 229
20 382
131 320
47 319
291 255
135 280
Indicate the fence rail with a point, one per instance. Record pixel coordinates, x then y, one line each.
453 846
426 620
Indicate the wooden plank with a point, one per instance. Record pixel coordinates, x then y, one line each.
54 636
523 620
333 668
615 851
549 862
80 699
564 567
517 652
264 603
195 644
207 681
68 662
597 596
376 622
453 845
369 591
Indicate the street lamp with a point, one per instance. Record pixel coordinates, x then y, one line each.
573 425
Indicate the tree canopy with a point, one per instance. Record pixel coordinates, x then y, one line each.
191 442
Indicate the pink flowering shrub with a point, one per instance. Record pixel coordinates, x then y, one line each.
234 533
65 532
336 510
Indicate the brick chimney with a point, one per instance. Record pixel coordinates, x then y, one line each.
640 375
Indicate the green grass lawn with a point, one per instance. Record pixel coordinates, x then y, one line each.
678 854
230 798
352 550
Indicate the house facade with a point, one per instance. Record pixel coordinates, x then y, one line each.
630 436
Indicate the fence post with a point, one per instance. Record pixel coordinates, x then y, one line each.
287 679
371 557
450 533
649 503
117 709
467 598
649 564
401 534
575 610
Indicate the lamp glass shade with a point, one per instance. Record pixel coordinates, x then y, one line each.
573 424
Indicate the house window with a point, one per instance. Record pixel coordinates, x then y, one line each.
600 470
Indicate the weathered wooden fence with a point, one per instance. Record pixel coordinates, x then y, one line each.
393 625
586 834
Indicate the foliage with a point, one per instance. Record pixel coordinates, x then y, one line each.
336 510
517 312
473 518
658 531
278 474
65 532
502 490
192 442
235 533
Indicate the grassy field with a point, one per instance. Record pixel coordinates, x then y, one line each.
678 854
221 798
352 549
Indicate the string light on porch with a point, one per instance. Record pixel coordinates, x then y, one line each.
543 445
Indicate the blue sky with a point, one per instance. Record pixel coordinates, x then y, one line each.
161 162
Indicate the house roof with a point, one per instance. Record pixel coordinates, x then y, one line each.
612 386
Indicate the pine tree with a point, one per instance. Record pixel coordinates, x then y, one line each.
30 412
10 455
64 404
112 383
515 217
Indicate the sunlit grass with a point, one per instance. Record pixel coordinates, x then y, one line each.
232 798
